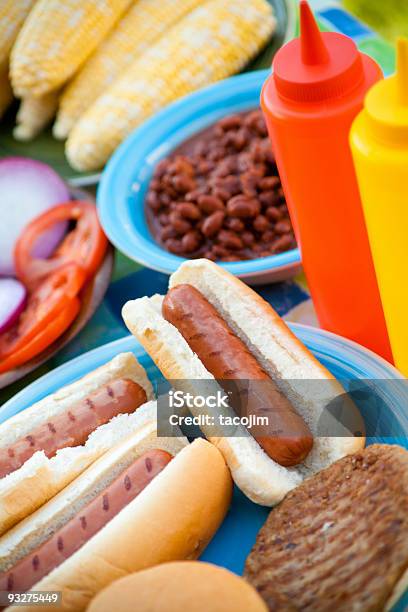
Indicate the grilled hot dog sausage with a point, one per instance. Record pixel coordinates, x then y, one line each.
91 519
227 358
72 428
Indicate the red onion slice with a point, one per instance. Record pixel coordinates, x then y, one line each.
12 301
27 189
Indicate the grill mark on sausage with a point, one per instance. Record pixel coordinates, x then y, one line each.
11 453
71 417
90 403
110 391
230 372
127 483
214 353
60 544
148 464
82 520
30 440
36 563
197 336
51 427
105 502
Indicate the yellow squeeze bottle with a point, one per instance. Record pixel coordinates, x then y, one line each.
379 142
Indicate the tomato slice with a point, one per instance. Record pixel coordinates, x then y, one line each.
85 244
44 338
46 301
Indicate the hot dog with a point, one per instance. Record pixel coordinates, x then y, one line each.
227 358
139 505
46 446
41 561
211 328
73 427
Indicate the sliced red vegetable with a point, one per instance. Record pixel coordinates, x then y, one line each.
44 304
45 338
28 188
13 297
84 245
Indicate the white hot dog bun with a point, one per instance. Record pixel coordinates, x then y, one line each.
287 361
40 478
173 518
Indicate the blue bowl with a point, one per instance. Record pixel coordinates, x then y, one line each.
346 360
125 180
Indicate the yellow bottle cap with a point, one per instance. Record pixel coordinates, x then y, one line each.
387 102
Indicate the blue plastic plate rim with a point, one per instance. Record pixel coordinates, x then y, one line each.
336 352
124 182
235 538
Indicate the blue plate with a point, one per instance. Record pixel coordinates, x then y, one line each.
125 180
346 360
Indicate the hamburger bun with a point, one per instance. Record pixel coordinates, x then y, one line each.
191 586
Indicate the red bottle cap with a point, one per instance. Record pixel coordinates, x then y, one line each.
317 65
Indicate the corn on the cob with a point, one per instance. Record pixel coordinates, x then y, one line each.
34 115
56 39
211 43
6 94
12 15
138 28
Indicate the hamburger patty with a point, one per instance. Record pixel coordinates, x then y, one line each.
339 541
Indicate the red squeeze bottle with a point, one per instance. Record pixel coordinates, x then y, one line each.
317 88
